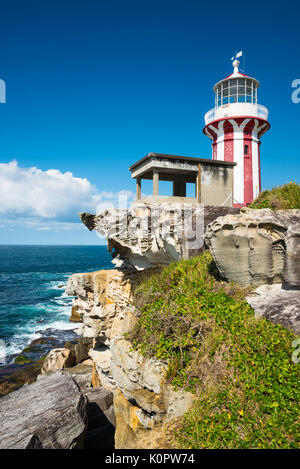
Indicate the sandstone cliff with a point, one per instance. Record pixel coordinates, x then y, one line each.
257 247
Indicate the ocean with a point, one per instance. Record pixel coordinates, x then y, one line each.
32 296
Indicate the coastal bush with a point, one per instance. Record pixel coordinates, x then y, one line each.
239 367
279 198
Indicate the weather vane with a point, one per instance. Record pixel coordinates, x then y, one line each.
235 61
239 54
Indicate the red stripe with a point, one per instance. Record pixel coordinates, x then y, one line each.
228 141
259 170
214 144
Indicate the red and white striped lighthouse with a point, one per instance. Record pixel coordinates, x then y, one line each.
235 126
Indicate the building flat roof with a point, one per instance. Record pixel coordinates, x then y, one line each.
190 159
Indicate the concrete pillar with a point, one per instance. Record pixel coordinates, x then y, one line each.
138 188
155 181
198 184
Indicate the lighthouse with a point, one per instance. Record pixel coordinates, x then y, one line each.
235 126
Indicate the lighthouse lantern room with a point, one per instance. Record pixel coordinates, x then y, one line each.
235 126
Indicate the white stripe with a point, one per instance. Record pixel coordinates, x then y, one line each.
220 141
255 164
238 157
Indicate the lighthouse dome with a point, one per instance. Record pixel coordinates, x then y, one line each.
236 88
236 95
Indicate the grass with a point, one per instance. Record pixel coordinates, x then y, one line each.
239 367
279 198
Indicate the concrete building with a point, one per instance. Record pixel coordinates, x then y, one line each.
232 176
213 179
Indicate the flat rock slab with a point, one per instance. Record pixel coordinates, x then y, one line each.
50 413
279 304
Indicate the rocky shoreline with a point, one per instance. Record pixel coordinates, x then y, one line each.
25 366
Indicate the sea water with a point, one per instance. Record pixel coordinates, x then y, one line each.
32 297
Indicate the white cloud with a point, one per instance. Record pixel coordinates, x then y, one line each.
44 199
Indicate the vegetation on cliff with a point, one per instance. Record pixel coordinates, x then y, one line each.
239 367
279 198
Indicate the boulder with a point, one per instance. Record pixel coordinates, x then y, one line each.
57 359
100 411
81 374
80 348
50 413
279 304
257 247
101 418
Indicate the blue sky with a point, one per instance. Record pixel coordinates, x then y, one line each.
93 86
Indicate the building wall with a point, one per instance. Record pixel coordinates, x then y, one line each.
216 185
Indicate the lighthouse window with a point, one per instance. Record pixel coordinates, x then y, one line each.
237 90
233 90
254 93
246 150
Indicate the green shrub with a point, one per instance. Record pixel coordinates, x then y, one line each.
280 198
239 367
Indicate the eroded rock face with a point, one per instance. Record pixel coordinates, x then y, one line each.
50 413
103 299
279 304
104 302
257 247
102 375
291 269
143 401
150 235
